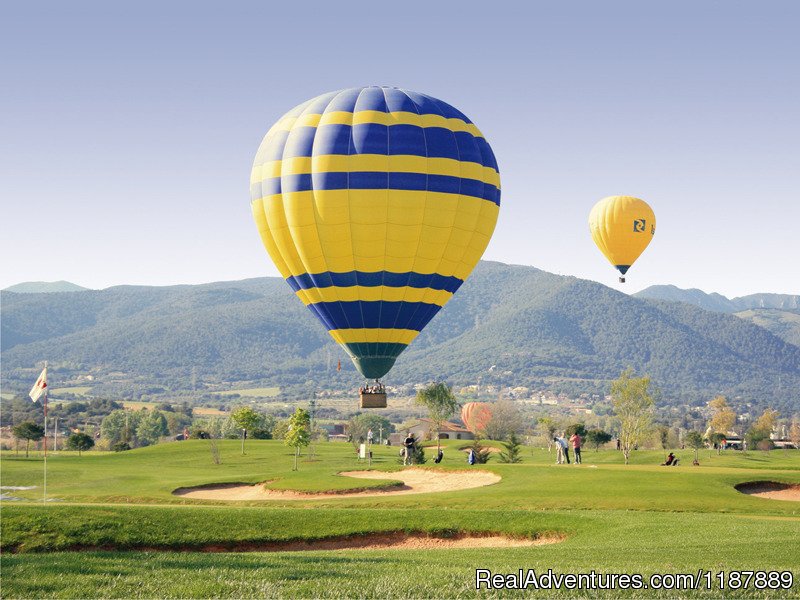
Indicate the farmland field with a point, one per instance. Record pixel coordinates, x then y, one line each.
133 405
80 390
267 392
117 530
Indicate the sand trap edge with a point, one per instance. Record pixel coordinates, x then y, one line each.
406 481
771 490
368 541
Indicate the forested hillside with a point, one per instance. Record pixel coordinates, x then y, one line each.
508 325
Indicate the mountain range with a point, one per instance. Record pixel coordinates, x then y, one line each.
779 313
44 287
507 326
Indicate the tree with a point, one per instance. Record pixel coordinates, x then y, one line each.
280 430
794 432
482 455
633 406
120 426
715 439
152 426
264 427
723 417
694 439
578 428
28 431
597 437
438 398
512 451
505 420
547 428
245 419
359 425
299 434
766 422
80 442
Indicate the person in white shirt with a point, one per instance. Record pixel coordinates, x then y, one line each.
561 446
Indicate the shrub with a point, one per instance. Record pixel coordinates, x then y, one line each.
512 451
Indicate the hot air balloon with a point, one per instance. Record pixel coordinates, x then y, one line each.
622 227
476 416
375 204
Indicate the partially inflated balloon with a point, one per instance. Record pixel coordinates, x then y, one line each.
375 204
476 416
622 227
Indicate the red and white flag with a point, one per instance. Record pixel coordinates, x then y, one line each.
38 388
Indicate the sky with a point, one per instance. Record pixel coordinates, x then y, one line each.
129 129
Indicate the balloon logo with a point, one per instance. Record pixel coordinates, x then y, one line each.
622 227
375 204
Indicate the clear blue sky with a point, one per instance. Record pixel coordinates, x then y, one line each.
129 129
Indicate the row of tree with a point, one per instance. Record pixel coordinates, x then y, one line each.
32 432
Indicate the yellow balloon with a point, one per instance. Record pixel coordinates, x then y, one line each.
622 227
375 204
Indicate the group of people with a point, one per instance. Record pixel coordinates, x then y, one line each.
372 389
562 448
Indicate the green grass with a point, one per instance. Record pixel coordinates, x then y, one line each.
267 392
640 518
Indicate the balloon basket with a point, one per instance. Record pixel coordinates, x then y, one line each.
622 280
370 400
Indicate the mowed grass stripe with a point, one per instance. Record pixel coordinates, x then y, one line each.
150 475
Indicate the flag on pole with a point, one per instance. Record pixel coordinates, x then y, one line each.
38 388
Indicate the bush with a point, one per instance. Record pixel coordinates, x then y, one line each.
512 451
597 437
419 453
121 447
482 455
80 442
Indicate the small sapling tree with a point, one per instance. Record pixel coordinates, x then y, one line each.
438 398
694 439
633 405
512 452
245 419
299 434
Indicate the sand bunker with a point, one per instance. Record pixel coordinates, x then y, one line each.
387 540
394 541
413 481
771 489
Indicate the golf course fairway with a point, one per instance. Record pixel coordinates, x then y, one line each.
112 526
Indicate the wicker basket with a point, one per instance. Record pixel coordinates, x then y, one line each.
373 400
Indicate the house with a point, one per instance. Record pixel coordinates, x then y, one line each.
426 430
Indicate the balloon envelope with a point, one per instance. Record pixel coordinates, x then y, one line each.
476 416
375 204
622 227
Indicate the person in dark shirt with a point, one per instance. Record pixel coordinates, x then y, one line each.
408 447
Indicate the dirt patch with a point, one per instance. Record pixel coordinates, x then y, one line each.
370 541
412 481
771 489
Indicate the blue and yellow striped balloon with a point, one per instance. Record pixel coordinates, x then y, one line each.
375 204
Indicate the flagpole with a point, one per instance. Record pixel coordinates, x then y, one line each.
44 497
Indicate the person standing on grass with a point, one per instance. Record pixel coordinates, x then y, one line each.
576 447
559 450
408 447
565 448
